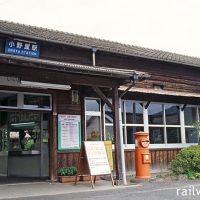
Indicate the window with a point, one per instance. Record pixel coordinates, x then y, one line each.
130 130
173 126
92 105
8 99
173 135
172 114
190 117
108 115
156 135
24 131
93 128
132 120
109 133
134 112
156 123
190 114
191 135
93 119
155 112
36 101
165 122
132 115
20 100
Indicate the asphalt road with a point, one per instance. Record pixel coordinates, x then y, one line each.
169 190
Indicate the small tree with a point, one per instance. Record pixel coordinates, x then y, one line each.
197 128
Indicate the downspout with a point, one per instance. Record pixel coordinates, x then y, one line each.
94 57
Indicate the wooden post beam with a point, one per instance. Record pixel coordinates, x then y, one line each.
183 108
53 141
103 97
147 105
116 127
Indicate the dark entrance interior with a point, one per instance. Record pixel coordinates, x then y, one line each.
24 148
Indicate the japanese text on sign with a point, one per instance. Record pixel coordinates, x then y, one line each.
23 48
97 158
69 132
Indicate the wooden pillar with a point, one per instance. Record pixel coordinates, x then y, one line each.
53 140
82 100
116 129
103 121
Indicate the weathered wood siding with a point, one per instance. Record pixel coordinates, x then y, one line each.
160 159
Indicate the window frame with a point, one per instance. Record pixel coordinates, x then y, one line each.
93 113
20 100
191 126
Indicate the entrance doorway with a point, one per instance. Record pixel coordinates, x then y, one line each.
24 149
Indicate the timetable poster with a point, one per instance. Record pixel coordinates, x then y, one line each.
69 132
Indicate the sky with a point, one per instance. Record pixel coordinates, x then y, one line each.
169 25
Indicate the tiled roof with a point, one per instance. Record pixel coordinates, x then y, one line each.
16 29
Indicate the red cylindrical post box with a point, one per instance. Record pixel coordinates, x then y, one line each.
142 155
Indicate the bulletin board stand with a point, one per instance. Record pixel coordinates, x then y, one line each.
87 167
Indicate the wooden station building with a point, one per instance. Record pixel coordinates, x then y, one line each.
58 89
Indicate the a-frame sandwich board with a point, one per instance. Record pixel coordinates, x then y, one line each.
93 161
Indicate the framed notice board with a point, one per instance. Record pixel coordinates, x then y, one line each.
69 132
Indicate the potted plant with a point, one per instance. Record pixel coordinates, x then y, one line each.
67 174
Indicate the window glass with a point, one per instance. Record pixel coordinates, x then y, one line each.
172 114
93 128
36 101
123 112
130 133
190 114
134 112
24 131
108 115
199 112
155 111
173 135
191 135
109 133
156 135
92 105
8 99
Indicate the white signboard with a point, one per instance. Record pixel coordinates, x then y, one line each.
97 158
69 132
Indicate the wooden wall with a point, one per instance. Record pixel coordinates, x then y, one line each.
160 159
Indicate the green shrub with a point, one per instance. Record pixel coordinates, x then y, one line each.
67 171
187 162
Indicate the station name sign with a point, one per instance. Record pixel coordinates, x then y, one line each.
22 48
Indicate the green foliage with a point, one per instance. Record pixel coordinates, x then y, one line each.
67 171
187 162
197 174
